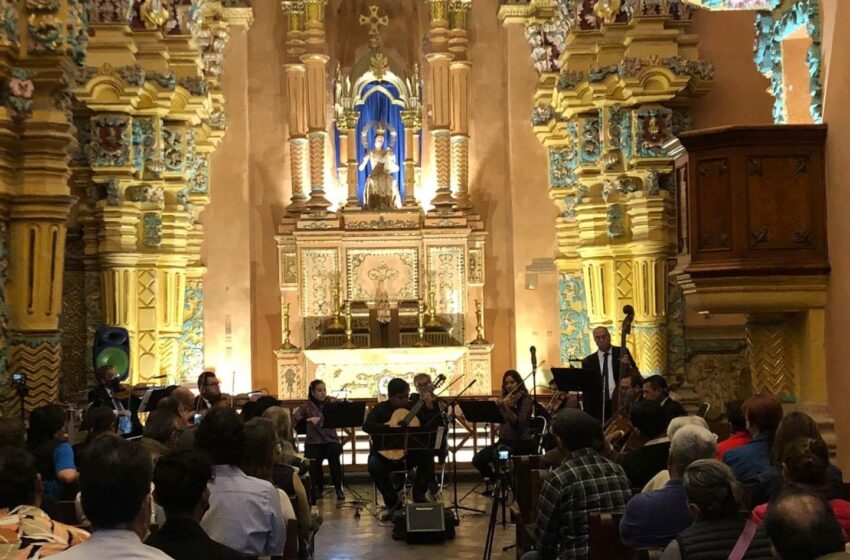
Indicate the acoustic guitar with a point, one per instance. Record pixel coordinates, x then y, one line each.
403 417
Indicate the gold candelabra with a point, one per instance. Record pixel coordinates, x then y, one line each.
284 330
349 332
479 323
336 324
421 342
432 307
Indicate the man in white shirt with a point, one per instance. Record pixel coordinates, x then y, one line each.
245 512
115 484
604 367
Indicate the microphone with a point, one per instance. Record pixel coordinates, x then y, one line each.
533 357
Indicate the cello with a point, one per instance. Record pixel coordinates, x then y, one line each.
619 430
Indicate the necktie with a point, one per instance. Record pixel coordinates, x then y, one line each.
604 382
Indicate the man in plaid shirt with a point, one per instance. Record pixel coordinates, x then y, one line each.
584 482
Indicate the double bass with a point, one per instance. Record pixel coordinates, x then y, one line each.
621 402
403 417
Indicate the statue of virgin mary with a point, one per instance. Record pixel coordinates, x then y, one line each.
381 192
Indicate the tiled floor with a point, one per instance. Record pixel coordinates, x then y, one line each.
343 537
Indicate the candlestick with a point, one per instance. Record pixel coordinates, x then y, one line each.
479 320
284 329
349 332
421 330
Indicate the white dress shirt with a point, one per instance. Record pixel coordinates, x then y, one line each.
245 513
112 543
611 384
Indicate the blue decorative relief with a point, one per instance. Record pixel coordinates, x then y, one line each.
562 166
191 358
575 326
771 30
152 225
591 139
615 216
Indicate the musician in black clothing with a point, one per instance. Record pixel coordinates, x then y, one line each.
655 389
103 395
605 364
380 467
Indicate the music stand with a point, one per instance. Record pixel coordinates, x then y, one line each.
152 397
481 412
344 414
409 439
572 380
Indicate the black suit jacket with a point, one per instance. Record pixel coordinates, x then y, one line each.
99 397
184 539
592 396
673 409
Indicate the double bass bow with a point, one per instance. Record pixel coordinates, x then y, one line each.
621 403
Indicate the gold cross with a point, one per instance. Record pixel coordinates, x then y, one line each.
374 21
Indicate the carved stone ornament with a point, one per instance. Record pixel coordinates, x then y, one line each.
165 80
152 225
45 31
616 216
145 193
21 89
111 138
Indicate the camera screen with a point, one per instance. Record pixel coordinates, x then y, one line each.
504 454
18 377
198 417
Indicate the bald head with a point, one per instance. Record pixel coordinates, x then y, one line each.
602 338
184 396
802 526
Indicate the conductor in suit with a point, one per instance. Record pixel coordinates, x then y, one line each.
604 368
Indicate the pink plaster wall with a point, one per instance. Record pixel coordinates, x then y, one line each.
226 248
836 76
739 94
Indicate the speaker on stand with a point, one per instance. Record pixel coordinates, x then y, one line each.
112 348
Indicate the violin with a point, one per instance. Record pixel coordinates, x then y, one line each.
619 430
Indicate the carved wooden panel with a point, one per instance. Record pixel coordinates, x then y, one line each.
780 202
714 188
756 200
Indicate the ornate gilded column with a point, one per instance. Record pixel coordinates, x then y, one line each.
460 69
146 154
40 57
295 71
315 61
439 61
350 161
412 121
609 172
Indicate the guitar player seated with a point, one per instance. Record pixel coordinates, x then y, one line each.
380 467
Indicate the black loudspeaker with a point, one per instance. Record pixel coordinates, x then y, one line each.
112 348
426 523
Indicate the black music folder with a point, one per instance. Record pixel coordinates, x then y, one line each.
569 379
344 414
481 412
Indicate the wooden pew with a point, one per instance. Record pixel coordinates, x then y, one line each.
527 482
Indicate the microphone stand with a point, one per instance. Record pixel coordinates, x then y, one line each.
455 503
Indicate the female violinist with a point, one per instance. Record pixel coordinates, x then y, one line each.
322 443
515 431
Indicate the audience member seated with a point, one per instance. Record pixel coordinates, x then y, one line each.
54 457
738 427
763 414
115 484
653 519
96 421
25 530
258 462
655 389
660 480
284 475
802 527
584 482
714 501
160 432
185 399
180 488
805 465
794 426
244 511
651 458
209 388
